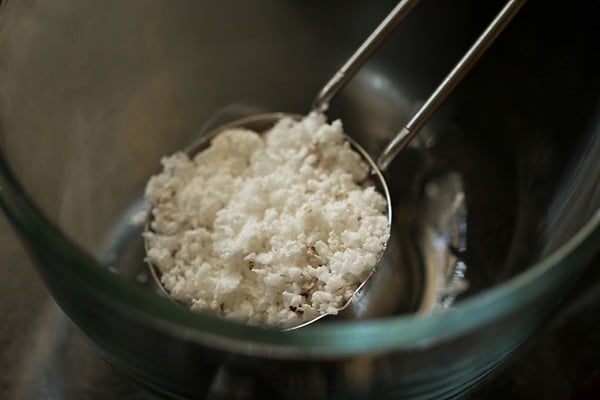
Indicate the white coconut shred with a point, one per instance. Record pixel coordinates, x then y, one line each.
267 228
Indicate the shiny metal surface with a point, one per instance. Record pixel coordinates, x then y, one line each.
441 93
362 54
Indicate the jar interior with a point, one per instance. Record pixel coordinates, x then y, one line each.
94 94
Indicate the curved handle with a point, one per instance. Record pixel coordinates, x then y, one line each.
362 54
412 128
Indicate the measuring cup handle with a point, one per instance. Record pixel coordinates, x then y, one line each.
362 54
441 93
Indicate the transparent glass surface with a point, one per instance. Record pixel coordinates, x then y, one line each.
92 94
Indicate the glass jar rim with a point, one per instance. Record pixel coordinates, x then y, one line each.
321 340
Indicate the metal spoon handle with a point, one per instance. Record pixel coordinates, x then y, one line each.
362 54
412 128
